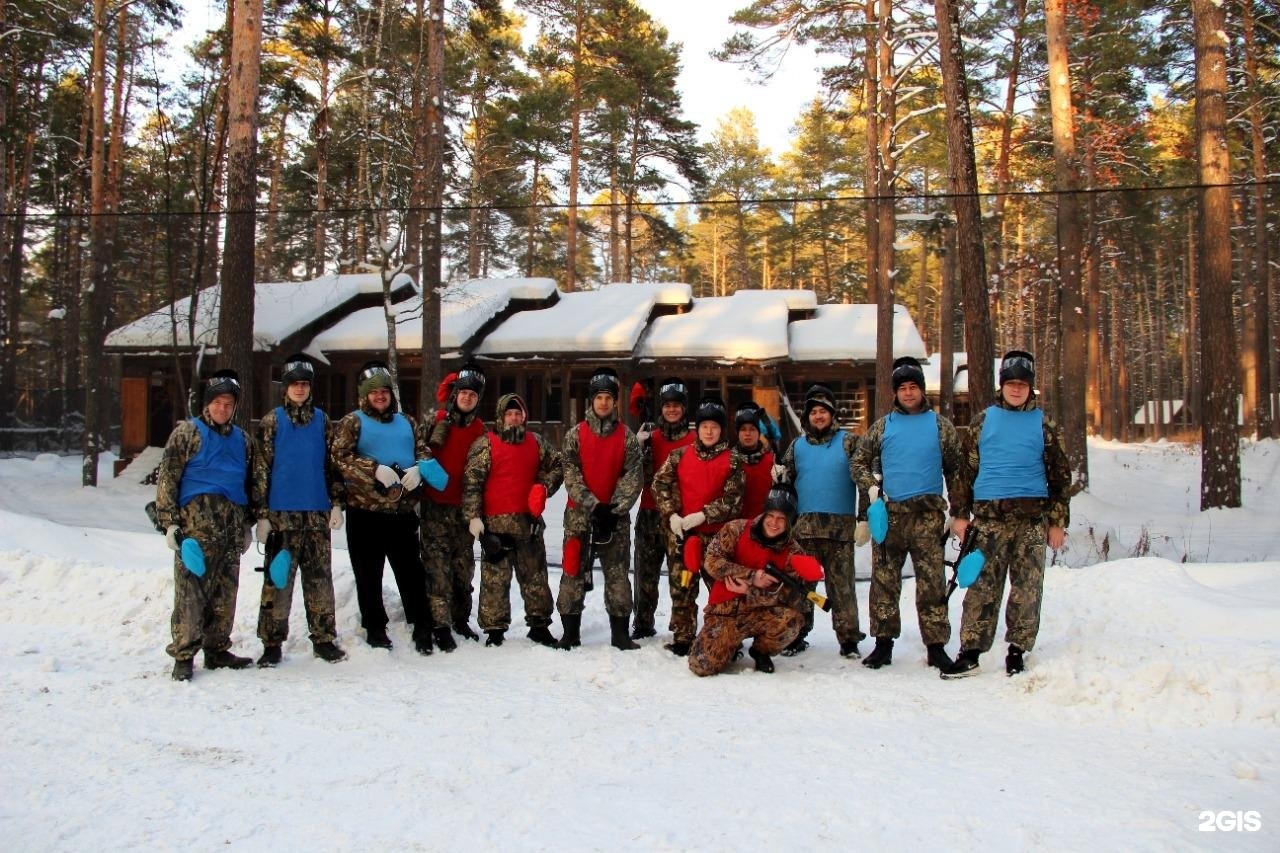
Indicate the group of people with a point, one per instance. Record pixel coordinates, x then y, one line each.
719 507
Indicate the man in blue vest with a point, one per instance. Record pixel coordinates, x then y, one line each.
914 450
1021 499
820 466
299 498
202 493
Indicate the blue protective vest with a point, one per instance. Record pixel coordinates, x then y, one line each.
386 443
822 477
1011 456
218 468
297 468
910 456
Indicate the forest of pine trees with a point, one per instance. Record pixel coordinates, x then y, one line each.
1093 181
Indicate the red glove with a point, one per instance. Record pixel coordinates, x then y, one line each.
572 556
808 568
445 386
693 554
637 398
441 414
537 499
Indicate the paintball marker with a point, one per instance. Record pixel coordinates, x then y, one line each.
798 586
968 564
276 560
188 549
496 546
394 492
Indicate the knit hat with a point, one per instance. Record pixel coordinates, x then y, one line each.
374 374
819 395
711 408
907 369
222 382
1018 365
604 381
297 368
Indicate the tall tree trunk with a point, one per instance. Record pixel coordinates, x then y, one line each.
1161 392
946 331
273 198
235 314
433 165
1258 343
575 147
1007 116
886 211
1220 442
1074 362
871 104
97 294
1098 365
418 181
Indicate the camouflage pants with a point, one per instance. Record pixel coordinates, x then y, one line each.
684 599
650 553
450 562
311 558
770 629
914 534
617 585
529 563
1013 547
836 558
204 609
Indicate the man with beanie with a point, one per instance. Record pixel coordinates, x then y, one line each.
603 475
510 472
914 450
1021 498
202 493
299 499
698 489
375 450
746 602
757 457
820 466
657 442
446 542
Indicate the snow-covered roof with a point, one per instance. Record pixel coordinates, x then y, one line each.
609 320
279 310
848 333
464 309
750 324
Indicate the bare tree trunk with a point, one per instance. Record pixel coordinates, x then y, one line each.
886 209
273 198
871 104
946 332
575 148
97 294
419 180
1256 361
1007 116
1098 364
433 165
1159 383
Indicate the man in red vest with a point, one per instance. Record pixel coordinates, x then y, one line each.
746 601
698 489
757 457
509 474
602 474
657 441
446 543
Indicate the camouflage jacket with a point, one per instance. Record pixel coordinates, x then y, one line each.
672 432
265 458
719 564
1056 508
666 483
357 471
866 464
181 448
433 430
630 482
479 463
826 525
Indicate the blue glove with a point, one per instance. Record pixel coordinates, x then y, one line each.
433 472
878 518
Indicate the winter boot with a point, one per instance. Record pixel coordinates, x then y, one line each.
798 645
966 665
182 670
572 637
462 629
224 660
495 638
938 657
444 640
618 634
679 648
270 657
764 663
329 652
377 638
422 641
542 636
881 655
850 650
1013 661
643 628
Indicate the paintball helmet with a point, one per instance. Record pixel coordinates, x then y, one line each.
222 382
1018 365
297 368
374 374
819 395
782 497
672 390
907 369
604 381
711 408
469 378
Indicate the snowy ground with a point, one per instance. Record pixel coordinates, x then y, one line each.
1152 698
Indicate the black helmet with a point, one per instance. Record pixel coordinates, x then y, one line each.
222 382
748 413
711 408
469 378
782 497
1018 364
604 381
907 369
819 395
672 390
297 368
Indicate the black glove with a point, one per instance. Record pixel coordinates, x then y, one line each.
604 519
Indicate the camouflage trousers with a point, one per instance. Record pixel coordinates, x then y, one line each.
1013 547
836 558
204 608
649 555
918 535
312 559
617 584
450 561
727 625
529 563
684 599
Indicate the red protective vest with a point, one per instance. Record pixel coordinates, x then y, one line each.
661 448
602 460
750 553
701 483
759 479
453 458
513 469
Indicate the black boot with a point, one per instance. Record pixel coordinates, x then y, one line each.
798 645
422 641
938 657
182 670
377 638
329 652
1013 661
881 655
542 636
224 660
444 639
618 637
679 648
850 650
966 665
462 629
643 628
572 637
764 663
495 638
270 657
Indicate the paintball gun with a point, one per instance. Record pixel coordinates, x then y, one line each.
276 560
188 549
798 586
968 564
496 546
